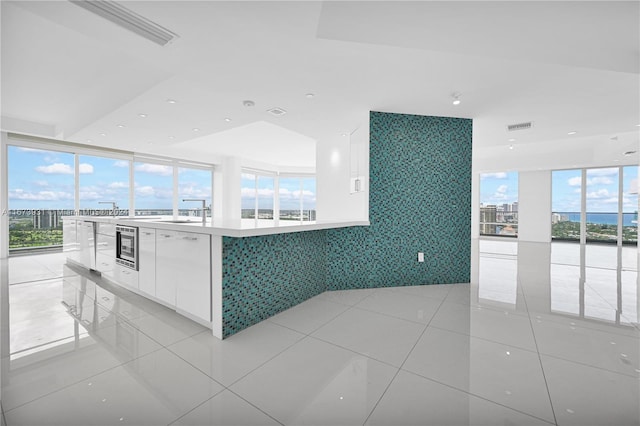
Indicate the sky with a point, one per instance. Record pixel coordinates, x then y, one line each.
601 190
289 191
45 180
498 188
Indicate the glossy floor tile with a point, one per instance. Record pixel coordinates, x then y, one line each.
584 395
504 374
229 360
317 383
413 400
375 335
309 315
543 334
226 409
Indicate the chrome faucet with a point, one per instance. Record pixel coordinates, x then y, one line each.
114 206
204 208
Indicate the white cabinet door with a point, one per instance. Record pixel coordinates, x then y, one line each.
167 273
105 254
147 260
86 231
126 276
70 245
193 258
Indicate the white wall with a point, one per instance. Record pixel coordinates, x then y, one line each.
228 197
336 164
534 206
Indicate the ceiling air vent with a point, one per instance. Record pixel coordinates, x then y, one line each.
125 18
277 111
519 126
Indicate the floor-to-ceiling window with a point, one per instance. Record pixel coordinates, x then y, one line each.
565 204
248 195
610 198
49 180
602 204
265 196
104 184
194 184
297 198
41 190
499 204
630 204
153 188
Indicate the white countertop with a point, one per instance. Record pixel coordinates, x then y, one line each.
237 228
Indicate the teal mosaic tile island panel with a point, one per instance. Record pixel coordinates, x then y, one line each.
265 275
419 201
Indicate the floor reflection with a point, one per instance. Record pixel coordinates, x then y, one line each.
588 282
543 334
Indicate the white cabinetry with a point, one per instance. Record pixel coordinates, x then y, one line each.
193 292
183 272
174 267
70 245
126 276
147 260
166 271
106 249
86 239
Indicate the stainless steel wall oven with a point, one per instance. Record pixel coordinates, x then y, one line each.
127 246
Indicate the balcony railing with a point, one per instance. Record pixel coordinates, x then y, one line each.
499 229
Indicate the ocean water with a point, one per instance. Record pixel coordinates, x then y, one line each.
604 218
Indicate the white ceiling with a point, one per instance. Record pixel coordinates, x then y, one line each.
563 65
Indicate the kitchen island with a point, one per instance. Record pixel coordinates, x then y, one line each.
224 275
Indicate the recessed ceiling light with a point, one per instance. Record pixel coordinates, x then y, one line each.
510 146
573 132
195 129
120 125
142 115
456 98
309 95
227 119
172 137
344 134
103 134
171 101
248 103
637 125
512 140
89 141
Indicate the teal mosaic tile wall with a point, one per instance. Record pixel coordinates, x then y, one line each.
420 201
264 275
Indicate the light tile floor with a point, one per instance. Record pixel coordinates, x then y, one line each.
537 338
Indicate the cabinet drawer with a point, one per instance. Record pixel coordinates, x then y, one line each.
126 277
105 264
106 245
108 229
